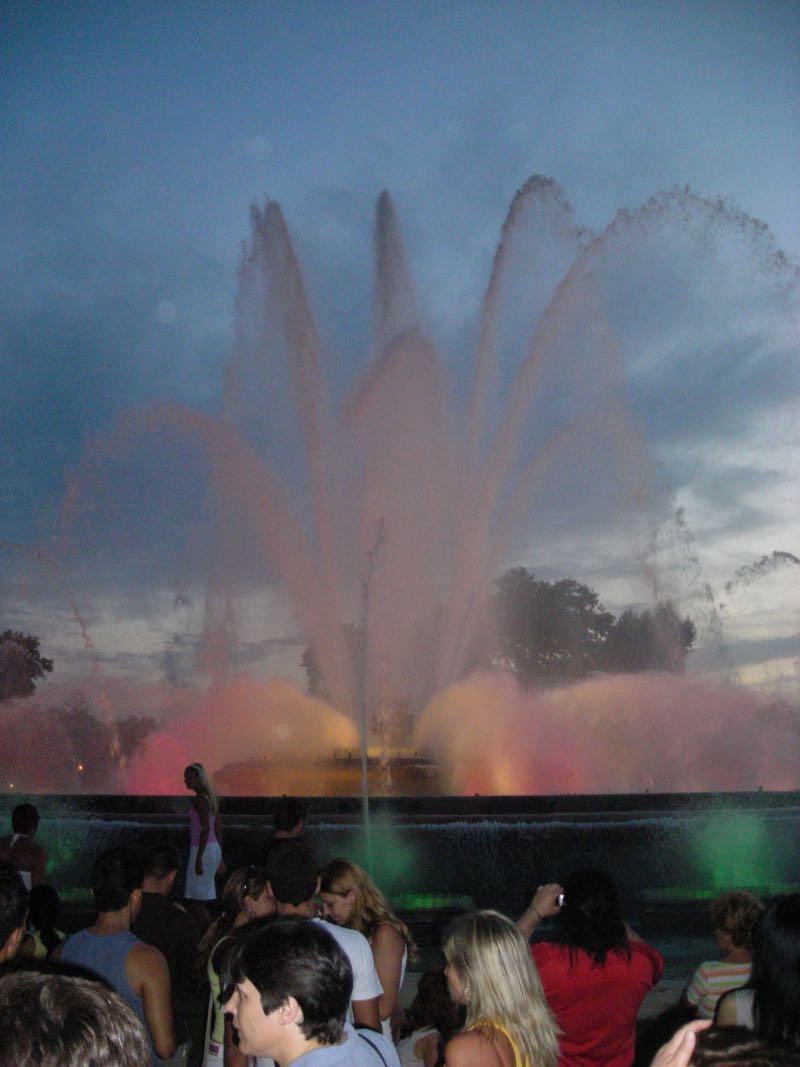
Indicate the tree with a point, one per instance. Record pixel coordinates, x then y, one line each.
549 630
21 663
649 641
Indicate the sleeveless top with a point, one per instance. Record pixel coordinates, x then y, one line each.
405 1047
485 1024
194 828
105 954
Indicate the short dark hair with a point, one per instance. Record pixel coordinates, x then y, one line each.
159 860
24 819
292 872
296 958
56 1020
288 812
116 872
13 901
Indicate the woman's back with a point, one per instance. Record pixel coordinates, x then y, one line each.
596 1005
483 1045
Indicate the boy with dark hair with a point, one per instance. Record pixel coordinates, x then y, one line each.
13 910
165 924
20 849
138 972
293 876
288 985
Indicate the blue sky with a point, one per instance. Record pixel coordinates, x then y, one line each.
135 137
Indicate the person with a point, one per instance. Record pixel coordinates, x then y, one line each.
43 934
247 896
287 987
165 924
350 898
432 1019
490 971
595 972
733 916
13 910
205 843
698 1044
19 848
138 972
59 1020
290 816
292 873
770 1003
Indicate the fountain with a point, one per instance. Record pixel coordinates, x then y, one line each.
385 511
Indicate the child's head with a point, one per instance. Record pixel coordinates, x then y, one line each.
25 819
433 1006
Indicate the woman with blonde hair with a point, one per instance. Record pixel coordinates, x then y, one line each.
490 971
247 896
205 843
351 898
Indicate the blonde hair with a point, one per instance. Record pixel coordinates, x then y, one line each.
502 986
205 785
370 907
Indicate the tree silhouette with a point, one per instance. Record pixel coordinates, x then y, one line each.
21 663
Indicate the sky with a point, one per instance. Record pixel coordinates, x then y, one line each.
135 138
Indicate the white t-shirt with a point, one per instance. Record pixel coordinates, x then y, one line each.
355 946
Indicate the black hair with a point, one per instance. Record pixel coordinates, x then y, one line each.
292 872
43 905
591 919
288 812
13 901
160 860
295 958
59 1020
116 872
24 819
775 977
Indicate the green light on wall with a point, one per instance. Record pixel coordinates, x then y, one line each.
734 851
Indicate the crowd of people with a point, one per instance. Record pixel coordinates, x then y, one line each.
292 961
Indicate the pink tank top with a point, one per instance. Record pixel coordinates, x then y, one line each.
194 828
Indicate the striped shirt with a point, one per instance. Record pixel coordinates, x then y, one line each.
711 980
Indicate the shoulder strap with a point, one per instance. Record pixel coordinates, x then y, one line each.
373 1046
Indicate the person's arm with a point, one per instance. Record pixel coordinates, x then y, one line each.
725 1015
387 951
366 1013
150 980
427 1049
541 907
202 808
678 1050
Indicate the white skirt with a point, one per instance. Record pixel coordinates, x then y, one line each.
201 886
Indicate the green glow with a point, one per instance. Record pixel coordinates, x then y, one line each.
734 851
428 901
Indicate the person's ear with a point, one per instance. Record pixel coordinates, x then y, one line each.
290 1013
170 879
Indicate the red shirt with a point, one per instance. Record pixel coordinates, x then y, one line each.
596 1006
